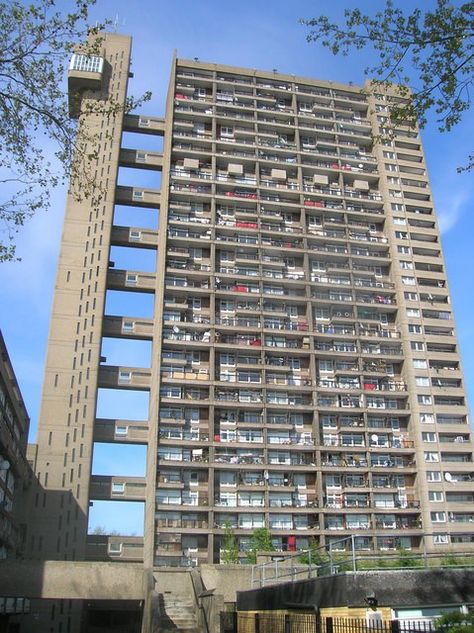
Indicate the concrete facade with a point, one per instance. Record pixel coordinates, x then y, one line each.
15 476
305 374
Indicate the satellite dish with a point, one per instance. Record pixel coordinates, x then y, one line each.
448 477
374 437
175 329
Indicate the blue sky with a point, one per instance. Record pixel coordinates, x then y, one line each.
256 34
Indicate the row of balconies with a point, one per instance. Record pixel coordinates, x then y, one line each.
264 133
360 440
335 192
354 161
346 348
284 287
362 522
302 482
280 179
264 100
286 458
249 434
277 86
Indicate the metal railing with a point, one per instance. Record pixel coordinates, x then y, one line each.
311 622
345 555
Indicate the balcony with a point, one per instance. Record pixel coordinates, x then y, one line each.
180 434
172 523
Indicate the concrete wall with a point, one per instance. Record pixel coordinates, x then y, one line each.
227 579
397 588
72 580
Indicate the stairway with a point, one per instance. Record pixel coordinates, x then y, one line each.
176 613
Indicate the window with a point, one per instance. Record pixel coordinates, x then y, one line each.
438 517
227 131
125 376
391 167
428 437
227 306
415 329
118 488
417 346
413 312
305 106
326 365
431 457
114 548
420 363
170 392
440 539
396 206
390 155
404 265
405 250
249 376
433 475
408 281
401 235
399 221
436 496
422 381
86 63
171 315
321 314
426 418
425 399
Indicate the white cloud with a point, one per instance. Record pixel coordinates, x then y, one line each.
452 205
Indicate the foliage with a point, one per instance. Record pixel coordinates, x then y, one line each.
431 51
407 559
314 555
37 41
455 622
261 541
450 560
230 548
100 530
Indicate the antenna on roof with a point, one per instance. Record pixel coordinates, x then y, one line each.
116 21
